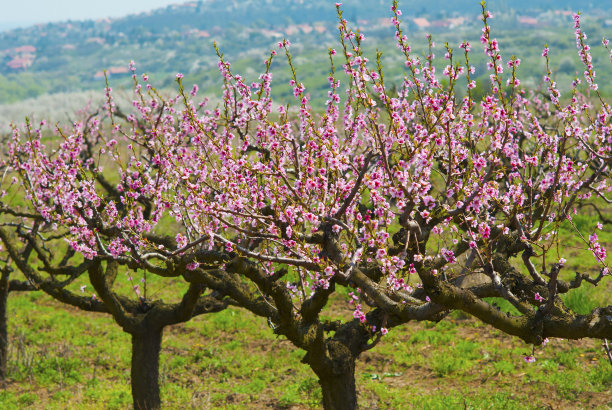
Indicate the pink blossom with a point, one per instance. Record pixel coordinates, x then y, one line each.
192 266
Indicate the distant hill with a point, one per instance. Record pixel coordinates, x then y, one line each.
71 56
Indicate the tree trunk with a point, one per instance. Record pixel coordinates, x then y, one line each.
145 369
4 291
339 391
335 369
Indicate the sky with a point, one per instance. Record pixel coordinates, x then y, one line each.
22 13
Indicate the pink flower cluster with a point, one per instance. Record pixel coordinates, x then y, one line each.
245 179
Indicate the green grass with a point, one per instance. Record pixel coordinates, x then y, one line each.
64 358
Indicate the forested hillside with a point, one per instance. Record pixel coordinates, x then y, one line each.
71 56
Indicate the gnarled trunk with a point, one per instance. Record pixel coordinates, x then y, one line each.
335 368
146 346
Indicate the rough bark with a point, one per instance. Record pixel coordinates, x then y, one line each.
335 368
146 346
339 390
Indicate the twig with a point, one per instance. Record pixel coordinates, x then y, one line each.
607 349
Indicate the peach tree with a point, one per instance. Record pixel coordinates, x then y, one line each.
419 201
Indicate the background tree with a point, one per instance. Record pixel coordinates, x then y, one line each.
7 284
38 241
419 203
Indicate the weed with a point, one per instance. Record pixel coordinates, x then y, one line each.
431 337
580 300
27 399
503 367
467 349
444 364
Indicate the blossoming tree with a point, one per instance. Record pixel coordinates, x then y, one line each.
67 194
7 284
420 202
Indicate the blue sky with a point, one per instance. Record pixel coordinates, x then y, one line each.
20 13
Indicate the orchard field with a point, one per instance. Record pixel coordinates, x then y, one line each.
434 244
63 358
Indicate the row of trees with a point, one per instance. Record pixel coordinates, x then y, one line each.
273 209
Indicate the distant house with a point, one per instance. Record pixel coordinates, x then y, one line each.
24 50
447 23
21 63
271 33
385 22
97 40
197 33
421 22
291 30
21 57
440 23
528 21
117 71
320 28
455 22
305 28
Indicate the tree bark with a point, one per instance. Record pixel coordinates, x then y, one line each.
4 291
335 368
339 390
146 346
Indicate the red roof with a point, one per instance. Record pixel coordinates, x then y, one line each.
20 62
25 49
119 70
531 21
421 22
